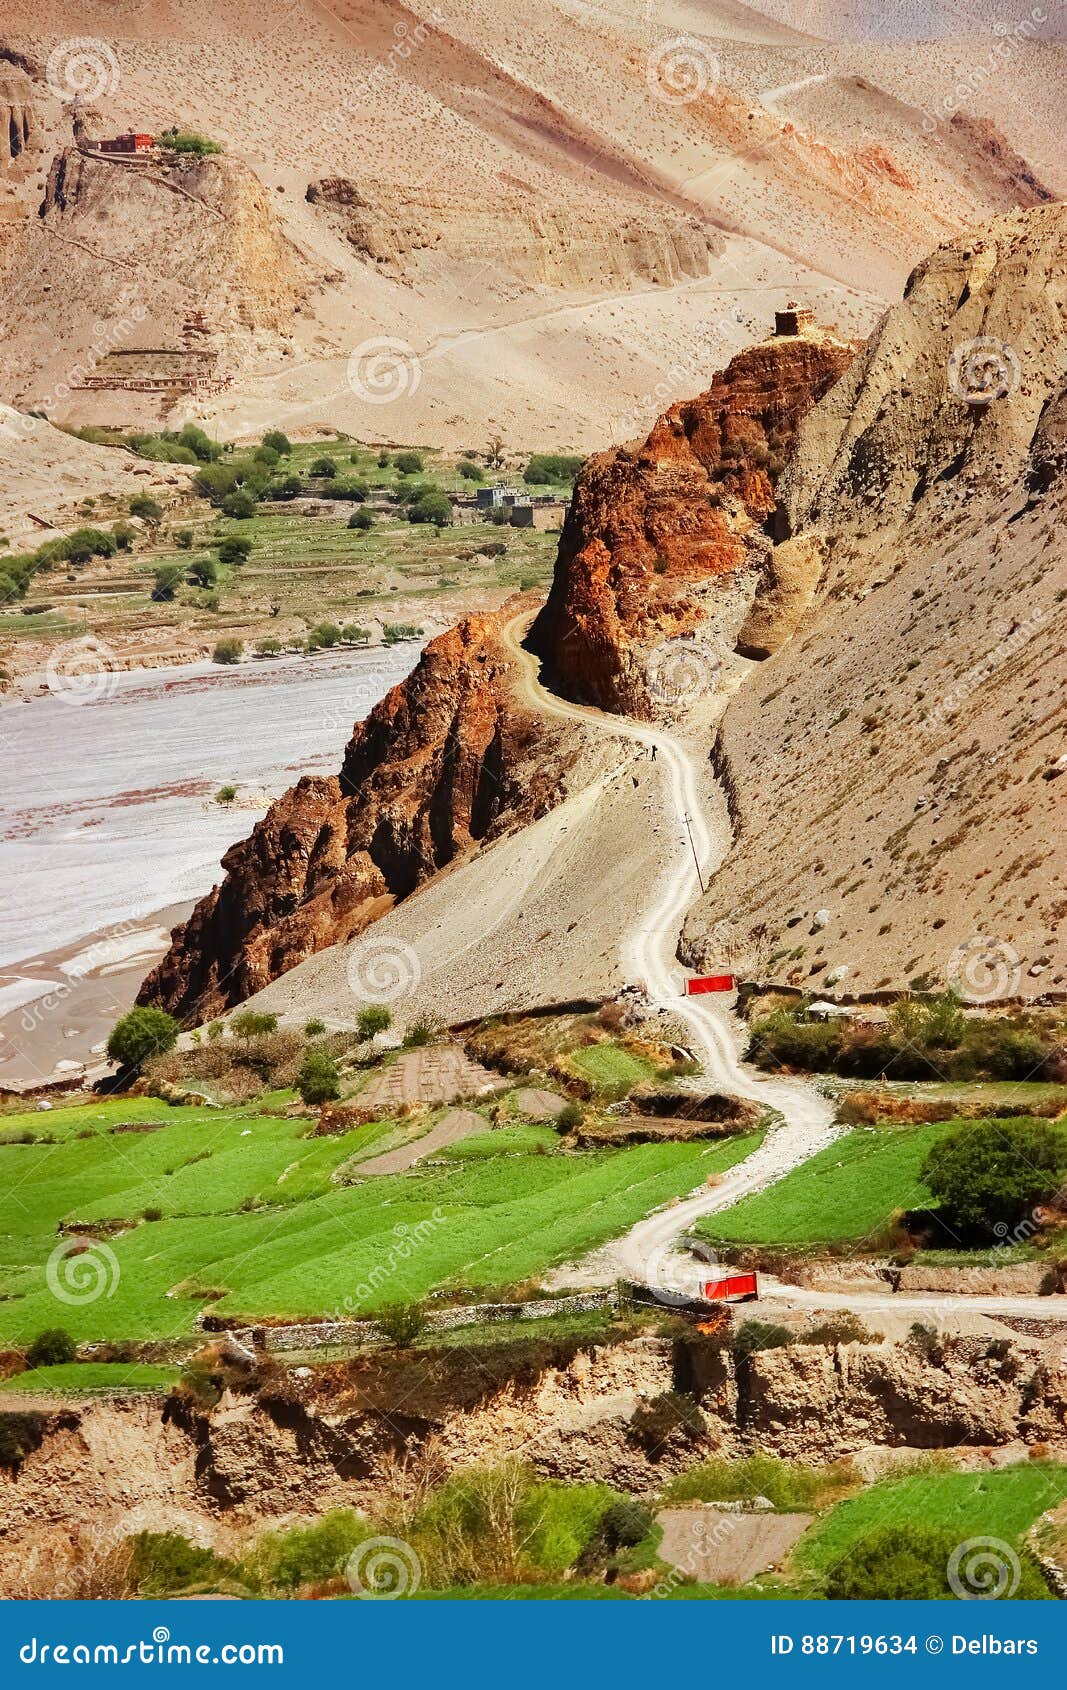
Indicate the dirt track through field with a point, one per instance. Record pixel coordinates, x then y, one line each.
647 1252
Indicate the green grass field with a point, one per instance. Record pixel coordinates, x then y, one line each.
847 1191
236 1209
91 1377
610 1068
1001 1504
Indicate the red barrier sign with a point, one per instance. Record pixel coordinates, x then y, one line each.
740 1285
709 983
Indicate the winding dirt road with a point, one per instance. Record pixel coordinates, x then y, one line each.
647 1252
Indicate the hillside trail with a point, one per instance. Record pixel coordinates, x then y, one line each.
804 1123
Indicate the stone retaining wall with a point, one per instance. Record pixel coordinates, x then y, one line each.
314 1335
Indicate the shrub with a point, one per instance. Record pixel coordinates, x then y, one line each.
420 1032
301 1555
753 1335
986 1176
252 1023
270 647
143 1032
408 463
323 467
375 1018
394 632
471 472
290 487
168 578
147 508
432 507
187 141
227 651
384 460
152 1214
353 634
791 1486
123 534
362 518
234 549
401 1323
278 442
240 505
625 1523
845 1328
226 795
21 1433
570 1116
348 489
318 1080
183 539
314 1027
324 634
165 1563
671 1416
901 1562
546 467
205 571
52 1348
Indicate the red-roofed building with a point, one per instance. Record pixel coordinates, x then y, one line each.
128 143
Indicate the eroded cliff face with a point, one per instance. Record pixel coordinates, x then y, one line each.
300 1447
650 526
396 228
443 762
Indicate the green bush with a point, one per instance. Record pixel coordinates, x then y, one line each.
350 488
51 1348
142 1032
384 460
301 1555
432 507
401 1323
164 1564
227 651
204 572
471 472
318 1080
353 634
375 1018
186 141
147 508
753 1335
270 647
361 519
908 1562
314 1027
226 795
240 505
323 635
124 534
183 539
278 442
547 467
166 581
323 467
394 632
408 463
234 549
420 1032
290 487
986 1176
253 1024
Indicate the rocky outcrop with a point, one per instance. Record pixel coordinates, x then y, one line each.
396 227
650 526
787 587
895 766
445 761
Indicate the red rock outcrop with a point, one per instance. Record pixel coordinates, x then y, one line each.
649 523
443 760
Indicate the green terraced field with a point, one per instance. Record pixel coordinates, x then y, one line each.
74 1377
1001 1504
848 1190
245 1216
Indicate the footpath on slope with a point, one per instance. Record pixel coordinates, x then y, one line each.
647 1252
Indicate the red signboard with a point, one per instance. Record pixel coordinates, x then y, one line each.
709 983
741 1285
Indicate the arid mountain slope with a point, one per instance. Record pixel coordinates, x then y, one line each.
566 216
895 768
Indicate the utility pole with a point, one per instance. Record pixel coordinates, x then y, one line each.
692 847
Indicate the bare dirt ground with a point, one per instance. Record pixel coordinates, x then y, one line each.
716 1546
457 1124
429 1074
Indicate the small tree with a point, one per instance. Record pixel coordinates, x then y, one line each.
471 472
234 549
402 1323
143 1032
183 539
147 508
384 460
409 463
168 578
324 467
240 505
227 651
374 1019
278 442
253 1023
318 1079
204 571
314 1027
226 795
324 634
361 518
52 1348
986 1176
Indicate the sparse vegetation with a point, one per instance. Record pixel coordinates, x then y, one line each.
318 1080
142 1033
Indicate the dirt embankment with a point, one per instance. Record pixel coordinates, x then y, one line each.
301 1446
